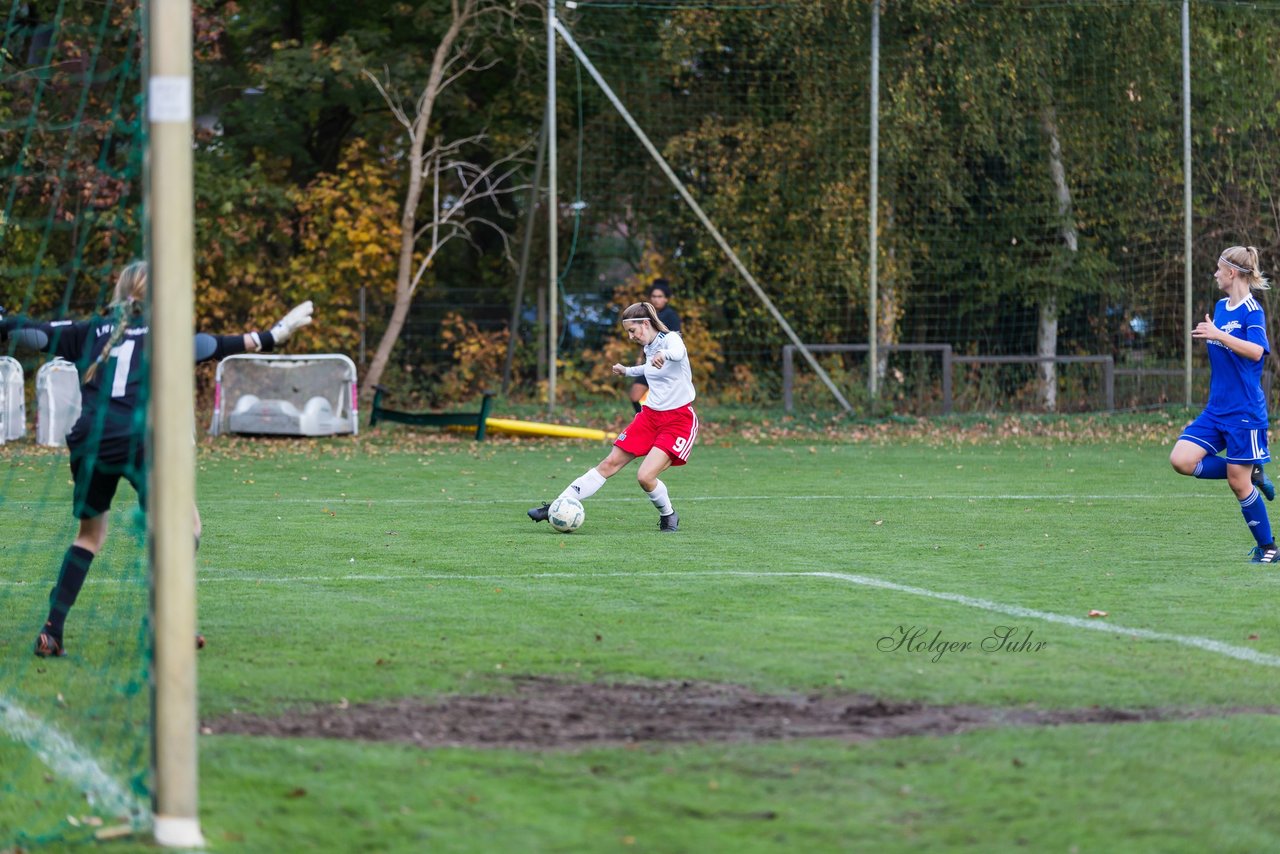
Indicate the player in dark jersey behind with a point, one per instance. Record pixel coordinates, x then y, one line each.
107 442
1235 418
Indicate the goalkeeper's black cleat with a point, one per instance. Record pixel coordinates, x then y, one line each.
1264 484
669 522
539 514
49 645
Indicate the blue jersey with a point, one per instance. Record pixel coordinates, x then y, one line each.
1235 385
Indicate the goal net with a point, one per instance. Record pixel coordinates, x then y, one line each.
74 731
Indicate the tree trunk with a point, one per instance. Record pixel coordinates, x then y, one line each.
399 313
1047 346
406 281
404 277
1047 331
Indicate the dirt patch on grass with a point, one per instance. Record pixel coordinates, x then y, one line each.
545 713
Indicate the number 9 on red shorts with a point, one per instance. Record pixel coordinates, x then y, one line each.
674 431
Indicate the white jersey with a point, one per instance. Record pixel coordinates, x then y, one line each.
671 386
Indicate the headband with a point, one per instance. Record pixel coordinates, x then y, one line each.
1222 259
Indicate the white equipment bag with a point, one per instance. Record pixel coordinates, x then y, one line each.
57 402
13 405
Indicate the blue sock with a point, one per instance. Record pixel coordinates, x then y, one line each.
1211 468
1255 515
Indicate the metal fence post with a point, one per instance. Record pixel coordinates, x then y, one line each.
788 369
1109 382
946 380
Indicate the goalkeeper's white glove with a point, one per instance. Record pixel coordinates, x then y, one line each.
297 318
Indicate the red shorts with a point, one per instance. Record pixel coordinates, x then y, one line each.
674 431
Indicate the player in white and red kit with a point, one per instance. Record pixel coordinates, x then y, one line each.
664 430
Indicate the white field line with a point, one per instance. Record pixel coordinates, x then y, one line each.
216 576
1097 625
595 499
1205 644
66 759
70 762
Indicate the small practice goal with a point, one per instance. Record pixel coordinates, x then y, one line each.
311 395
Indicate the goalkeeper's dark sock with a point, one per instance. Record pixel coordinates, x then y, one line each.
75 568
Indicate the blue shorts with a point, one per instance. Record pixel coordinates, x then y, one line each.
1244 445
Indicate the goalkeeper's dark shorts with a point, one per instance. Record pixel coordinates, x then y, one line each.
97 470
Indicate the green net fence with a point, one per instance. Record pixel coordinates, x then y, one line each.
74 731
1030 188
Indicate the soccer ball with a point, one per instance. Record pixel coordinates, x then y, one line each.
566 515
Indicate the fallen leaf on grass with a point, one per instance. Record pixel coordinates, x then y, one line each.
119 831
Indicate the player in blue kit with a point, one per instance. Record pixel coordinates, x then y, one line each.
107 442
1235 419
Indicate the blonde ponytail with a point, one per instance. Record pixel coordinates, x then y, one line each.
126 304
1244 259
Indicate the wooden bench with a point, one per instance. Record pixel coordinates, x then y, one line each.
431 419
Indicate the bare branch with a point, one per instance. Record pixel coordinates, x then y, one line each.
451 147
392 101
471 190
473 65
425 264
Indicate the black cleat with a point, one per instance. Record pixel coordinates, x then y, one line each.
670 522
539 514
49 645
1264 484
1265 554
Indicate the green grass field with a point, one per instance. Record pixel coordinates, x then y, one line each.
337 573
